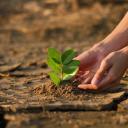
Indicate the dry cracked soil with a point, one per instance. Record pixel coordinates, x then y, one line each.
28 99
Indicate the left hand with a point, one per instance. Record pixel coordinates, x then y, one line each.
110 71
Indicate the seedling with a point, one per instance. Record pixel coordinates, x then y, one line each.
62 65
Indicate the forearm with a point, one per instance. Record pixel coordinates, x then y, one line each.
118 38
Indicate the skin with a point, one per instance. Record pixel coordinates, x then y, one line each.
104 64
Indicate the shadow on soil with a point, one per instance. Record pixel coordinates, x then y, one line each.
3 122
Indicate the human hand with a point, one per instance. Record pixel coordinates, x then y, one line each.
110 71
89 63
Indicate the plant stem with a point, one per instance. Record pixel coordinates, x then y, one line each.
61 71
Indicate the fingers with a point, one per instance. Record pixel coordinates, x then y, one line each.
81 76
102 78
111 77
104 67
112 69
82 73
110 86
108 81
85 83
87 79
88 87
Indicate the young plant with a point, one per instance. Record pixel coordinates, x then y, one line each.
62 65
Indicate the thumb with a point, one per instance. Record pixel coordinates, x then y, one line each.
104 67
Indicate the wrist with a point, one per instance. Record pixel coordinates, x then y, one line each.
109 44
103 48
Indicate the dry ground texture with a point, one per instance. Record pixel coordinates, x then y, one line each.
28 98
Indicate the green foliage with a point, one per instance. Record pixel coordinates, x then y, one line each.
67 56
54 78
62 65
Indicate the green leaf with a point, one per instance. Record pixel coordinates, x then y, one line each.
70 69
74 63
56 80
53 65
67 56
63 66
69 76
55 55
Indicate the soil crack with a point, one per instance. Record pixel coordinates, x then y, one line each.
3 121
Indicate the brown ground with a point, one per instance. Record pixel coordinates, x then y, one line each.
28 99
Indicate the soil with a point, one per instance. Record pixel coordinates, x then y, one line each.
69 120
28 98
